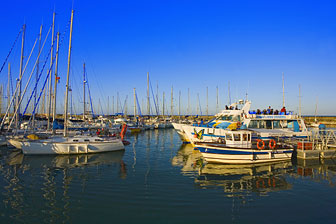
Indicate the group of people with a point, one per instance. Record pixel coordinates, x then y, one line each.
231 107
269 110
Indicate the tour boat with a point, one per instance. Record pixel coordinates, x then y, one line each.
269 126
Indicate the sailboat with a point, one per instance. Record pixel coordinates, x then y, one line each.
68 145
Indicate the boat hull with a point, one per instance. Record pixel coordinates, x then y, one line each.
230 155
183 136
66 148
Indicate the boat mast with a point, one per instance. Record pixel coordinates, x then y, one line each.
157 97
283 90
171 102
207 110
179 110
134 105
188 102
84 92
163 104
51 64
67 82
316 109
113 105
21 70
148 106
229 94
217 100
300 101
56 78
37 73
8 85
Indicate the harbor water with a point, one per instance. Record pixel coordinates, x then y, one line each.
159 180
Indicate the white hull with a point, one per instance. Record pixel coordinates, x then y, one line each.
243 156
180 132
38 147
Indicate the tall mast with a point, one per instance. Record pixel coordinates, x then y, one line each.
157 97
179 110
198 105
207 110
283 90
217 100
171 102
20 77
229 94
188 102
148 106
67 82
113 105
163 104
50 76
37 73
8 85
316 109
56 78
117 102
135 105
84 92
300 101
108 105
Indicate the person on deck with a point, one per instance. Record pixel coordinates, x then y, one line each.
283 110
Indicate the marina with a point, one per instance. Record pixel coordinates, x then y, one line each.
167 112
158 178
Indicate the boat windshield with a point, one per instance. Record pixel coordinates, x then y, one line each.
269 124
229 118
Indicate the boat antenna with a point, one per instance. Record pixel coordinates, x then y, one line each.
283 90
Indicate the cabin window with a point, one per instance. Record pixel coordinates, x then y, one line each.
236 137
245 137
86 140
283 124
229 137
269 124
75 140
276 124
236 118
253 124
249 137
262 124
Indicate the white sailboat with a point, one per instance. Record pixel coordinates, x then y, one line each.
65 144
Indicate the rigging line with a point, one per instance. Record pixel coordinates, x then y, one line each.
22 97
10 51
39 77
87 82
139 108
122 108
45 62
155 104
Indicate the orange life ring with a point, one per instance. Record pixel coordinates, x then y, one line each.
262 146
272 144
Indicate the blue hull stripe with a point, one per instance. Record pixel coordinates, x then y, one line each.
237 152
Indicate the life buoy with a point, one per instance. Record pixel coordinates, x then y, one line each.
272 144
262 146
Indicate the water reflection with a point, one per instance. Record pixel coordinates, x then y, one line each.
322 171
42 187
189 159
261 178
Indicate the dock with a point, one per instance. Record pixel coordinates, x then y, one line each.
322 145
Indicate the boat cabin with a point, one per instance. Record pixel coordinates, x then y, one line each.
240 139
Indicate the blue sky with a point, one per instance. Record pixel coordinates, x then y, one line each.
188 44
